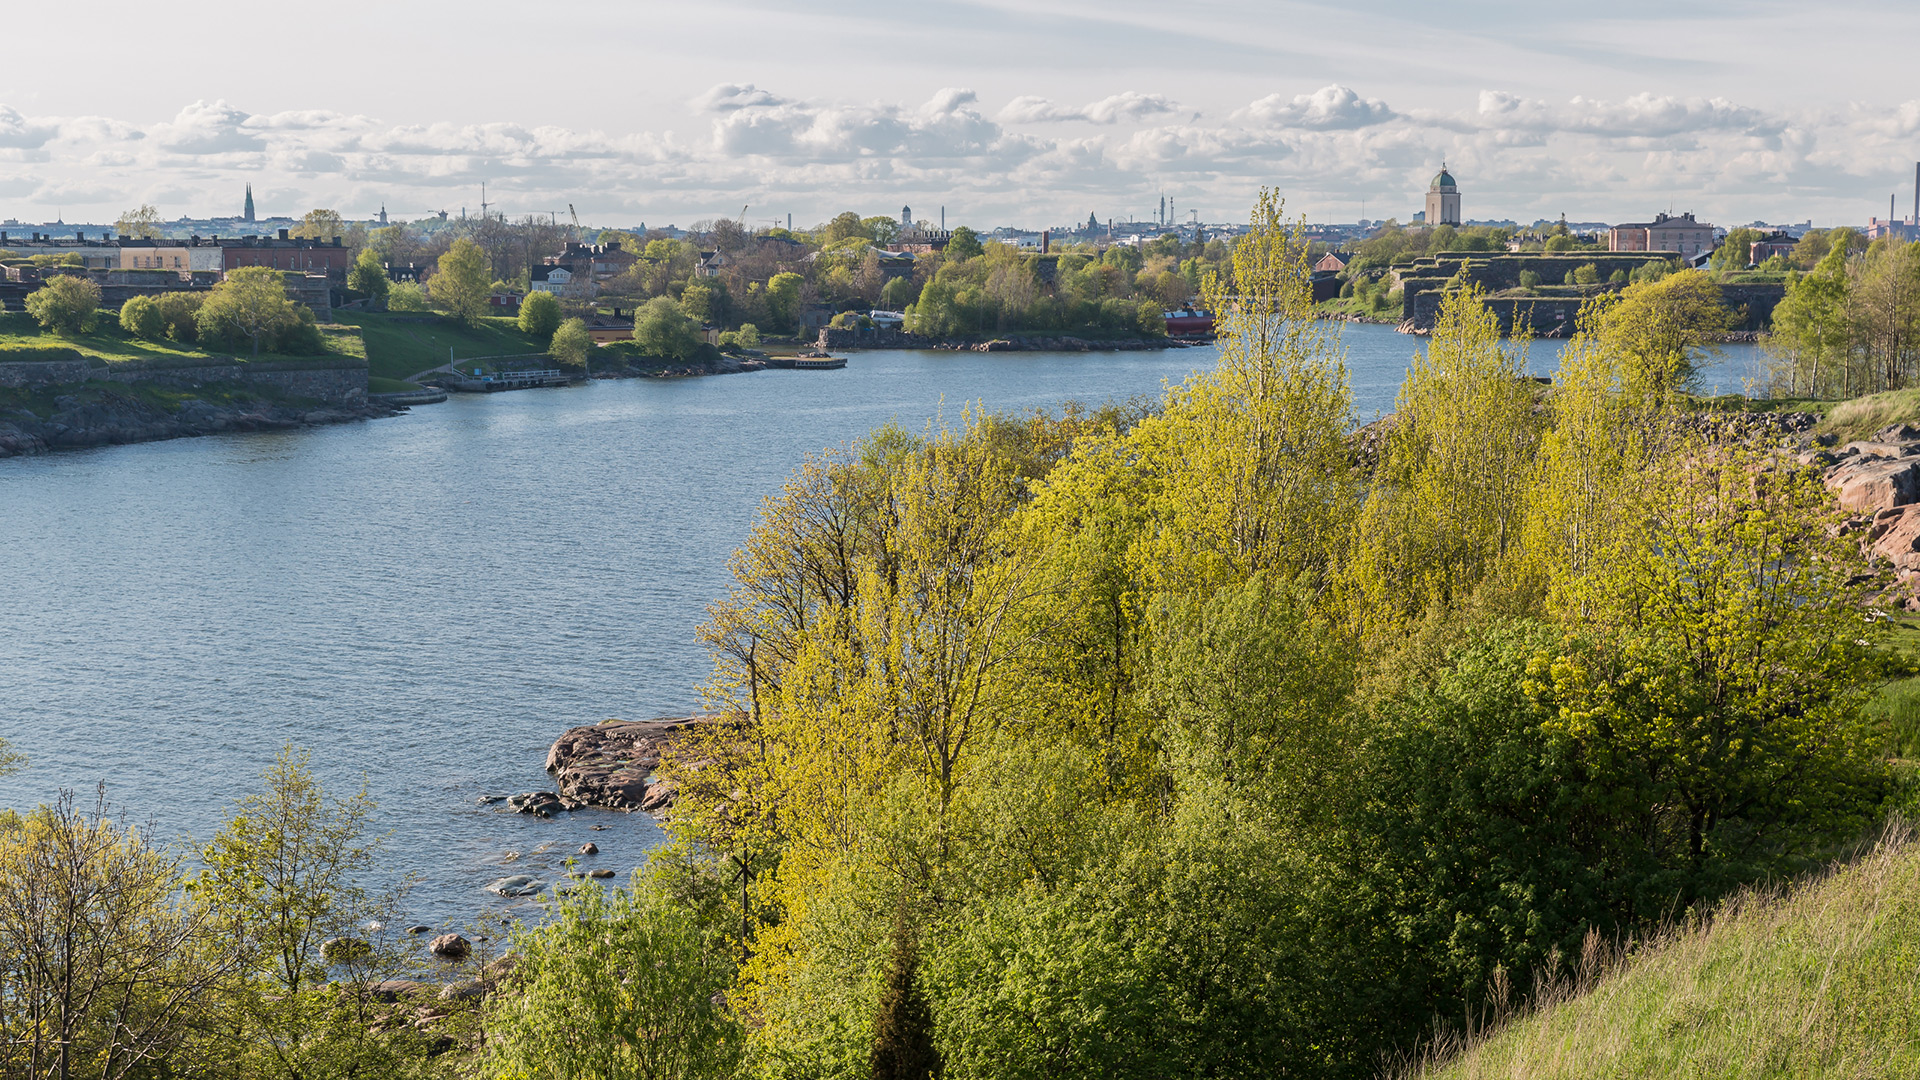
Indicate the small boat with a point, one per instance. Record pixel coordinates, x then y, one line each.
819 363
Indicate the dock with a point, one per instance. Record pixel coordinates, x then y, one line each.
509 380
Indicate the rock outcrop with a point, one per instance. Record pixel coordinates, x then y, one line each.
611 764
109 418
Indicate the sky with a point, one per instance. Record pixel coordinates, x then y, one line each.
1004 112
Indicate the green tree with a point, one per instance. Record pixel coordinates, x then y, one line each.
1529 279
1812 335
181 312
964 243
140 224
696 300
783 300
660 328
897 293
571 344
141 317
67 305
321 225
370 277
540 315
1660 329
1735 252
105 967
844 226
287 868
903 1031
406 296
748 336
616 984
251 305
1587 275
461 281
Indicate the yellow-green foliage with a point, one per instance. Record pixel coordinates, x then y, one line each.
1861 417
1822 982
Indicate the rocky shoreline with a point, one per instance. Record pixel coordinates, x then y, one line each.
609 766
113 419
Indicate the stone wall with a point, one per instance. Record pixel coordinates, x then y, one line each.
342 382
1424 283
874 338
19 375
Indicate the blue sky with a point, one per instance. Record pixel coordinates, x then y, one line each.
1034 112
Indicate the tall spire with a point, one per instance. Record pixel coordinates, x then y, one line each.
247 214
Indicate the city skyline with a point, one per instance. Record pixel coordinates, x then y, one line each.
1027 116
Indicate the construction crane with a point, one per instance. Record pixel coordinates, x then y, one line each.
576 222
743 217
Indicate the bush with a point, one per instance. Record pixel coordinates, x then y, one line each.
1587 275
181 311
571 343
66 305
1618 277
540 315
251 308
1529 279
406 296
660 328
748 336
141 317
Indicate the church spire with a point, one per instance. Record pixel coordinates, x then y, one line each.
247 214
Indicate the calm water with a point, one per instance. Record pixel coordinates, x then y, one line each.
426 601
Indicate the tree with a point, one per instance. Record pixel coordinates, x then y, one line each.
140 224
903 1031
964 243
540 315
104 966
615 984
696 300
897 293
287 868
1660 329
370 277
783 300
660 328
1735 252
66 305
141 316
1812 334
571 343
321 225
844 226
748 336
406 296
181 312
461 281
251 305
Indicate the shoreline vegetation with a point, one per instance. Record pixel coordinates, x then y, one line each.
1179 739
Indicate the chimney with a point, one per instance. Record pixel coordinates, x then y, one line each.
1046 241
283 234
1916 193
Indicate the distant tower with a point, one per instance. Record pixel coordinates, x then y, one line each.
247 214
906 217
383 213
1443 199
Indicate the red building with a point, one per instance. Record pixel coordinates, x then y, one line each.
287 253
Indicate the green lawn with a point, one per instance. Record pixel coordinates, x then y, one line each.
1822 982
113 345
402 345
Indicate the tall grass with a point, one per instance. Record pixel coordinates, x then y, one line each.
1819 981
1862 416
1897 706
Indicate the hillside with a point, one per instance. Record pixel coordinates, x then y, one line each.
1819 982
400 346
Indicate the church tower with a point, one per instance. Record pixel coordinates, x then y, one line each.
1443 199
247 214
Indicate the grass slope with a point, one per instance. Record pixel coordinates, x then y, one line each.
112 345
400 346
1820 982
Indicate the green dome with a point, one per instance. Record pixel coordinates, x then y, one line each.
1442 181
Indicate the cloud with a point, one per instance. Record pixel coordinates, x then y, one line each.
1125 107
1597 158
19 133
729 97
1326 109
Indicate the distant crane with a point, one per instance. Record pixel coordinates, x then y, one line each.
743 217
483 200
576 223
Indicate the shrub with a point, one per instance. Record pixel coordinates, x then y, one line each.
1618 277
181 311
570 343
1529 279
1586 275
406 296
540 315
660 328
66 305
251 307
141 317
748 336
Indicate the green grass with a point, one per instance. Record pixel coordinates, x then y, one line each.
378 385
399 346
21 338
1820 982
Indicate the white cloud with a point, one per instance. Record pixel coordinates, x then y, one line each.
1125 107
1328 108
1517 156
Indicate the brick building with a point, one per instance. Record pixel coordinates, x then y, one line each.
1665 232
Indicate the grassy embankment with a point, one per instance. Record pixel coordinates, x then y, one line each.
402 345
1822 981
108 345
